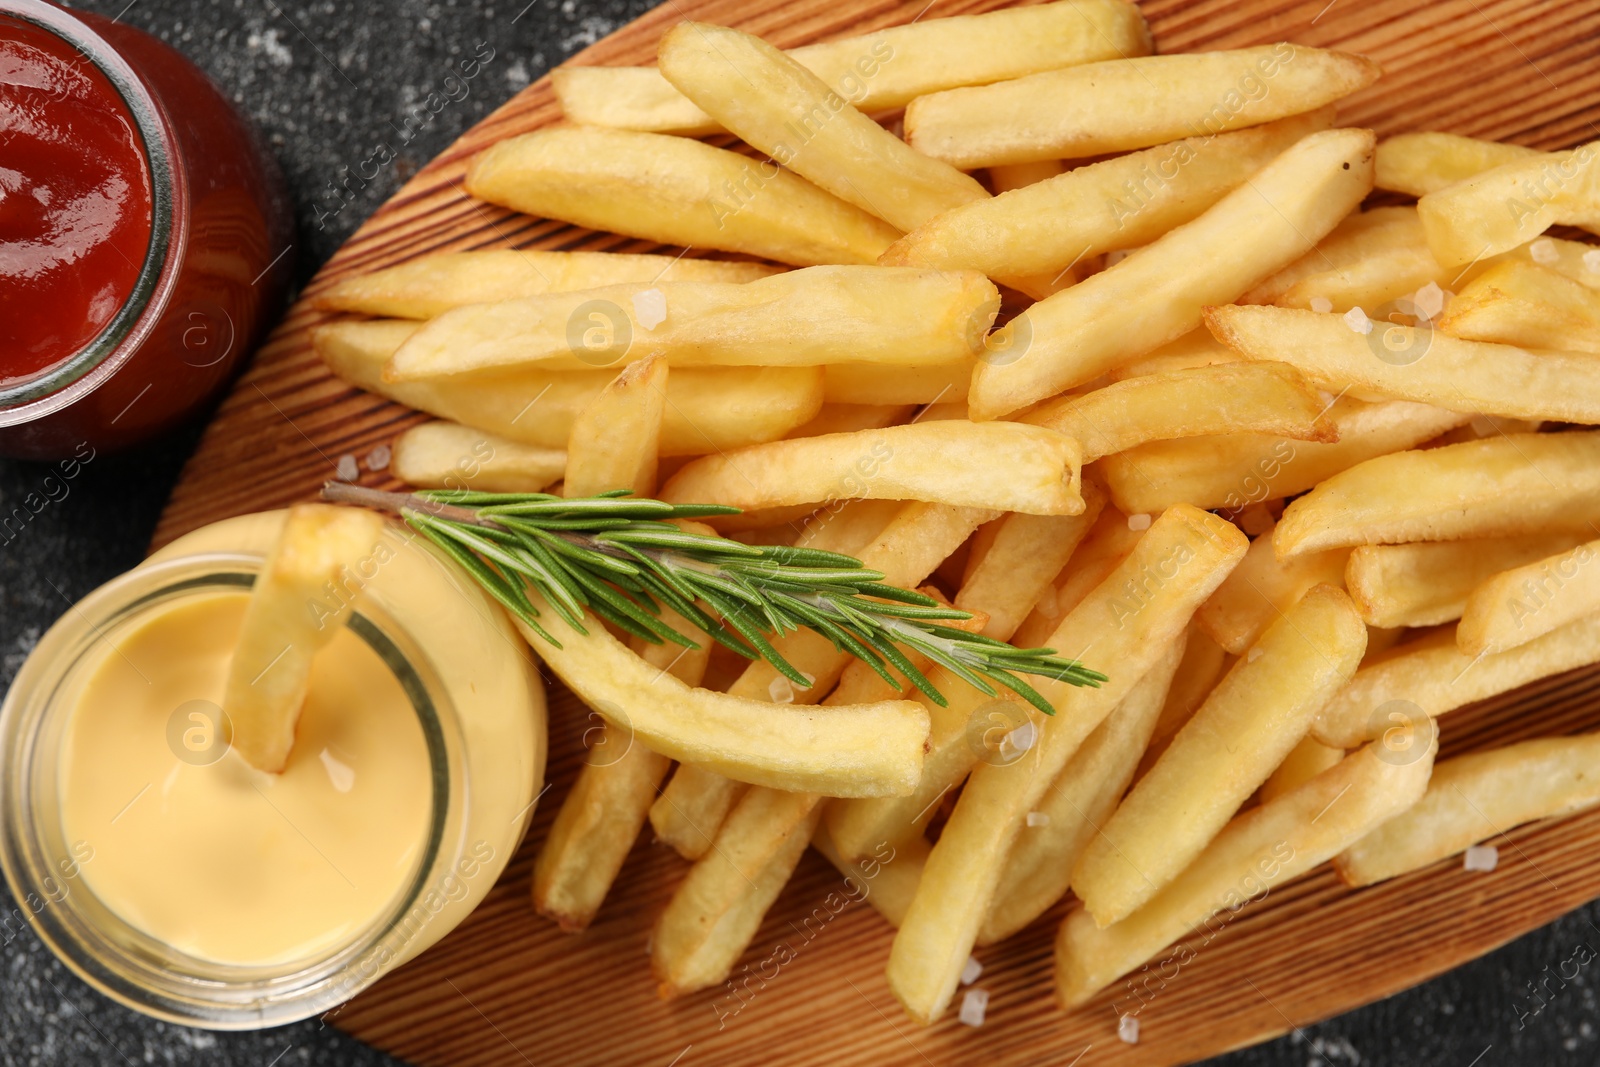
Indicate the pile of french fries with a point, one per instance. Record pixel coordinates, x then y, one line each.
1301 478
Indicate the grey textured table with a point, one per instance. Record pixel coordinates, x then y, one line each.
325 80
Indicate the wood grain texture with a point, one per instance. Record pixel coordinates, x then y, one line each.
506 987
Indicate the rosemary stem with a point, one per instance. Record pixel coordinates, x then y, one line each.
360 495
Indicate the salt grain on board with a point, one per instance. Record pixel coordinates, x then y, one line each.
973 1006
1128 1030
347 469
378 459
970 972
1480 858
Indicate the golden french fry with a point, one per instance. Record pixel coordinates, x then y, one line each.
1421 163
848 418
615 438
1204 663
1006 177
1237 470
1416 363
1431 676
888 876
601 816
754 90
1192 552
432 285
708 408
692 808
1304 762
1249 723
1118 203
800 318
1261 588
287 620
1259 851
1006 466
1101 108
860 750
447 455
1496 210
1038 869
1107 542
1428 582
885 69
1527 602
1201 401
1197 348
675 191
1475 797
1110 318
1361 236
1574 260
1516 302
1373 282
1496 487
881 383
1020 559
719 905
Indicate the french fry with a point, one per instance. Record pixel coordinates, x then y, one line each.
675 191
1496 210
1006 177
1201 401
1020 558
286 621
1203 665
1520 303
615 438
848 418
1428 582
1259 851
1421 163
447 455
1249 723
1304 762
860 750
755 91
1527 602
1197 348
1496 487
692 808
1109 319
719 905
1237 470
1371 282
889 875
1121 104
1572 259
1475 797
708 409
1431 676
431 285
959 879
885 69
1105 545
600 818
1261 588
1049 225
800 318
1006 466
881 383
1038 869
1416 363
1360 236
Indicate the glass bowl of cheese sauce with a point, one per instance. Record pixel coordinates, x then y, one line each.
181 881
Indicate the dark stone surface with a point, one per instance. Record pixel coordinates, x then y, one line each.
329 82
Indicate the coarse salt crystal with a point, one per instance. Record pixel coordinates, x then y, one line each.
1429 301
1018 741
973 1006
1128 1030
347 469
1480 858
1591 261
781 690
378 459
1321 304
1038 818
1357 320
1544 251
650 308
1139 522
970 972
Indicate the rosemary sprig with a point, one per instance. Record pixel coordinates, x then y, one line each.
622 558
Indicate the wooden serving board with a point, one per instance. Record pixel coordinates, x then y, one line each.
506 987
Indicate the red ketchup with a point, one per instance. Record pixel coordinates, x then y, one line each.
74 201
145 236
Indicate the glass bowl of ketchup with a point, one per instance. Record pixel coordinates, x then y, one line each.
145 234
